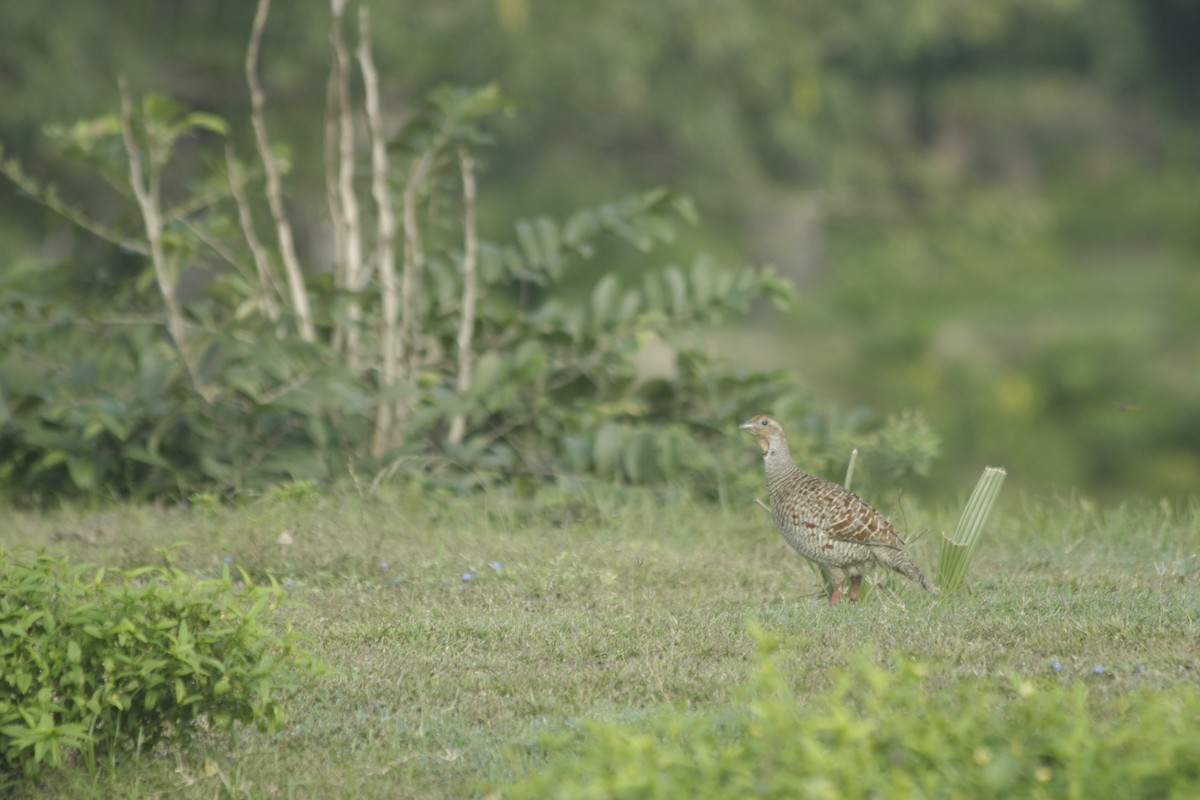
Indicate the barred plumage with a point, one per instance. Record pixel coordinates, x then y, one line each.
827 523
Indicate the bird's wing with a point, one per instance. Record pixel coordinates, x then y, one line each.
851 519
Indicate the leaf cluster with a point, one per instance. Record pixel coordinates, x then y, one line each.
883 731
97 403
96 400
95 660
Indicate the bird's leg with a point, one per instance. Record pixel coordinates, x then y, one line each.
837 594
855 580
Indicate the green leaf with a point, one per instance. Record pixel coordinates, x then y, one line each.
206 121
607 449
317 430
633 458
631 303
551 246
685 206
141 455
531 246
160 108
531 359
677 289
577 453
580 227
665 453
489 369
491 263
703 281
83 472
604 298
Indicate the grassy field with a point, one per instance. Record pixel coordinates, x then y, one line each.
458 632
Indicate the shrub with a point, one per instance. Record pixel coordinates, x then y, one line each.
94 659
882 732
417 346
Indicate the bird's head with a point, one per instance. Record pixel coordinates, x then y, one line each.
766 430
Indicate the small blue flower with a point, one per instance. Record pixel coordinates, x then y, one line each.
1056 666
1140 668
1099 670
228 559
468 576
496 565
383 565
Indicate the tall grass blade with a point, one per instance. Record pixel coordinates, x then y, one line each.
850 467
957 551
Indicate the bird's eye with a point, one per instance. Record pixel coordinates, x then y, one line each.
763 423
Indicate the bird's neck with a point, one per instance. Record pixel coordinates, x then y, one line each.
776 454
780 471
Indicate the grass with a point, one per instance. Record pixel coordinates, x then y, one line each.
609 604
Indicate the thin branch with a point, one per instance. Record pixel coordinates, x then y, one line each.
262 261
283 228
266 398
128 319
466 329
48 196
213 243
386 415
147 191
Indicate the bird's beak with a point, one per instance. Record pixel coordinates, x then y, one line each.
745 426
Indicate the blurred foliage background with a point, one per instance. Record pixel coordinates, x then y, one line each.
990 212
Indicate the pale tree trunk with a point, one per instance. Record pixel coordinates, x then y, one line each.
385 419
466 328
352 257
333 197
283 228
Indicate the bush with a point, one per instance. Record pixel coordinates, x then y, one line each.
417 346
884 733
94 659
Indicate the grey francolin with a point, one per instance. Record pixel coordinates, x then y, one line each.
826 523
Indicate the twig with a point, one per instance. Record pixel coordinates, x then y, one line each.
262 261
466 329
386 252
48 196
127 319
283 228
266 398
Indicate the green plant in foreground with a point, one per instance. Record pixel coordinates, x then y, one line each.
885 732
94 659
956 553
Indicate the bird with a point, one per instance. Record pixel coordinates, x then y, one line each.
827 523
